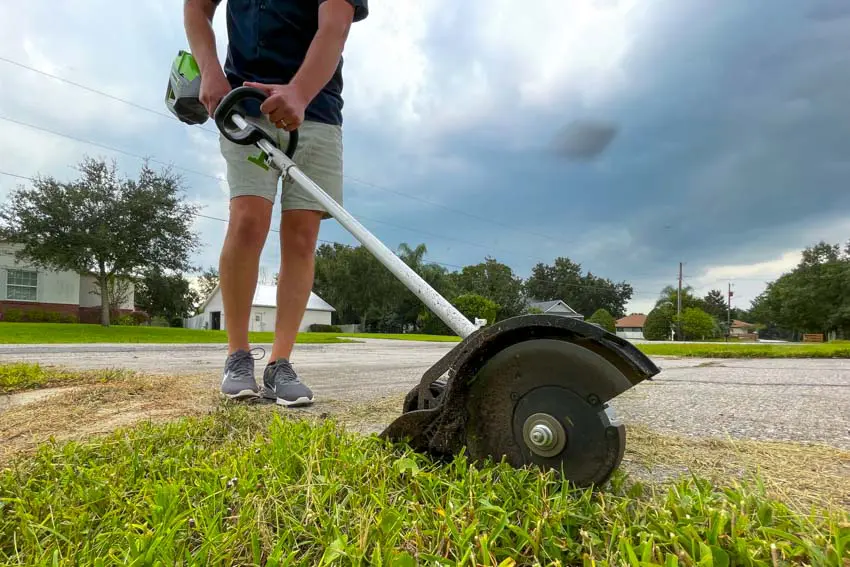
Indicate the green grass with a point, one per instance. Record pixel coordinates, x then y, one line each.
253 488
742 350
402 337
34 333
20 376
30 333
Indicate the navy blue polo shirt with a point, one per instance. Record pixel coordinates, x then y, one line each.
268 41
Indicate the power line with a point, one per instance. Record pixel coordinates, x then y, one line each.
221 179
357 180
96 91
215 132
106 147
446 264
16 175
439 205
271 228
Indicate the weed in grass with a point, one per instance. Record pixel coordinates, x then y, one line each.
242 487
20 376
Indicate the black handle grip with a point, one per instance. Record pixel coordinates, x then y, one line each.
233 102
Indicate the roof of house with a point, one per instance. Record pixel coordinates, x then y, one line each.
545 306
633 320
266 296
740 324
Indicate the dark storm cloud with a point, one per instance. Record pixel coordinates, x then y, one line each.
734 125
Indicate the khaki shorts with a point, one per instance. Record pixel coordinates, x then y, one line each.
318 155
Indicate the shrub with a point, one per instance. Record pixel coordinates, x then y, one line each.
139 317
68 318
36 316
320 328
658 323
697 324
51 317
13 315
604 319
124 321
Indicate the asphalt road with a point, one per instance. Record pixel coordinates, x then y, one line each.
767 399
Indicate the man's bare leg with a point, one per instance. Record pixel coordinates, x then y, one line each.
298 234
239 264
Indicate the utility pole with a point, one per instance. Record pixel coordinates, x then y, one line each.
679 306
729 312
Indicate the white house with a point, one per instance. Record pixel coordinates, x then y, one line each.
263 311
555 307
24 287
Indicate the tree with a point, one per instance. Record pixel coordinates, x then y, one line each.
166 295
363 291
715 304
102 224
584 293
659 323
406 307
696 324
496 281
671 294
471 305
208 281
604 319
812 298
117 292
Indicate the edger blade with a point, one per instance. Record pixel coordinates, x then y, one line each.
532 390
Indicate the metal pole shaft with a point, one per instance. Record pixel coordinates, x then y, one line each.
447 312
679 304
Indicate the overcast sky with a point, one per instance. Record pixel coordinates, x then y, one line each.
730 123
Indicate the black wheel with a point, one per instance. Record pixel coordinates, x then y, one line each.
540 402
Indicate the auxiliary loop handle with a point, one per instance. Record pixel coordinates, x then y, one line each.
250 134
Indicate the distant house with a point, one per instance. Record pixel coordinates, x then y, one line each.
24 287
263 311
631 326
742 329
555 307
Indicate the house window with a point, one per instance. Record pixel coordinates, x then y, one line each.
22 285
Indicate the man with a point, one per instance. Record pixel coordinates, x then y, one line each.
292 50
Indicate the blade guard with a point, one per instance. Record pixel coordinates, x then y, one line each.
434 415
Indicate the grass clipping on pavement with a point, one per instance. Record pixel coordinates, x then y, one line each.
240 486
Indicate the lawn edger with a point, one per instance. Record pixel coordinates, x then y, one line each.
529 390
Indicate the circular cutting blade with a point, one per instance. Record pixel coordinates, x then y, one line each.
541 402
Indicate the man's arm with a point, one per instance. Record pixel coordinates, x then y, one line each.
197 20
335 18
286 104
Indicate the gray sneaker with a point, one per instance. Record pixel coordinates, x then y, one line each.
281 383
238 380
